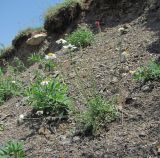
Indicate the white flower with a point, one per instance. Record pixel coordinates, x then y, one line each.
21 117
43 83
13 81
70 46
73 48
61 41
121 29
50 56
39 112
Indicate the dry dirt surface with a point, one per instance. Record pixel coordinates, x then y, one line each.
135 134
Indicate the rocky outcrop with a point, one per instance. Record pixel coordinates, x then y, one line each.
36 39
62 19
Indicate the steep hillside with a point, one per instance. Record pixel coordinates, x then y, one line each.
130 26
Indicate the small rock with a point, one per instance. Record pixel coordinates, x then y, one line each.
36 39
129 100
43 131
158 149
124 56
39 113
122 30
127 26
124 69
20 119
147 88
56 73
114 80
142 134
64 140
76 139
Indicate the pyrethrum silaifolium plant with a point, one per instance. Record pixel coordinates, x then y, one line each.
99 112
12 149
147 72
9 87
47 62
49 95
83 37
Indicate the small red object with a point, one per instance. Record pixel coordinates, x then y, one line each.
97 24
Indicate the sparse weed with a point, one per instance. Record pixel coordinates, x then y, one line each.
99 112
35 58
45 64
8 87
17 65
12 149
147 72
83 36
49 95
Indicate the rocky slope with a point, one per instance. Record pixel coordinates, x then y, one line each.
137 131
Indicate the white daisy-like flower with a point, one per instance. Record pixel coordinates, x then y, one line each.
21 117
121 29
50 56
73 48
43 83
61 41
70 46
13 81
132 72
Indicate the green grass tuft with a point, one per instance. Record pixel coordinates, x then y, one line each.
147 72
12 149
99 112
83 36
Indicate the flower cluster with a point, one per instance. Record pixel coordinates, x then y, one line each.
69 46
61 41
43 83
50 56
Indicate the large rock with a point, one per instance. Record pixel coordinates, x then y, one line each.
36 39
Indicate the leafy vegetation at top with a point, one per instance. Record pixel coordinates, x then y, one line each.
83 36
49 95
147 72
51 11
99 112
12 149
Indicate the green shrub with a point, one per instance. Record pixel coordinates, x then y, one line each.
49 95
83 36
12 149
8 87
147 72
98 113
51 11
